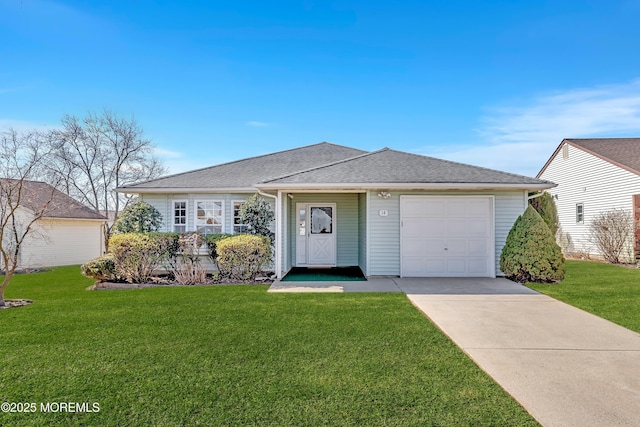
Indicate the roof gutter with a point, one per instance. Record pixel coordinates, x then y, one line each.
182 190
407 186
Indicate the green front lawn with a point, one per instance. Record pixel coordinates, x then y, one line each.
608 291
235 355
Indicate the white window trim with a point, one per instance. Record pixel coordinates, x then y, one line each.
582 213
173 213
195 212
233 216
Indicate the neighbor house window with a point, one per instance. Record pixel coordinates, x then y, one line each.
179 216
580 213
238 226
209 217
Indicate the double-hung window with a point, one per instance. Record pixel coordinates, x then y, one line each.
209 217
179 224
580 213
238 226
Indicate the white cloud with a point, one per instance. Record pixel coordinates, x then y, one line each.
24 126
521 138
166 153
255 123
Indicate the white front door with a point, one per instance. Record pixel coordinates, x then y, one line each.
316 234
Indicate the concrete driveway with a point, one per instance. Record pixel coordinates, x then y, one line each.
564 365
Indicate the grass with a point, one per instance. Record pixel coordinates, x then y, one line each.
235 355
609 291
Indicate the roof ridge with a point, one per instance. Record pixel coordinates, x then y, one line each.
412 154
367 153
240 160
467 165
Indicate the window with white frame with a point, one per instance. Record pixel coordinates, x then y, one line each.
580 213
179 224
238 226
209 218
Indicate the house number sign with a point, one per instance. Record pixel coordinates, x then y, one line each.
383 212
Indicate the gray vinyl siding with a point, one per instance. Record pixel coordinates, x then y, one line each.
347 224
384 237
508 207
596 183
362 232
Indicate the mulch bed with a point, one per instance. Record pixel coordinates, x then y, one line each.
102 286
11 303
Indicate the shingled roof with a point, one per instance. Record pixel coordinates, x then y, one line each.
622 152
389 166
244 174
35 195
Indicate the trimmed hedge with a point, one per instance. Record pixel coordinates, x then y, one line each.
242 257
138 255
212 244
531 253
102 268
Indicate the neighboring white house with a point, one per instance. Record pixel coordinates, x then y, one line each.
69 232
593 176
388 212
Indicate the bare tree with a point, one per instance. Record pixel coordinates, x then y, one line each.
21 157
612 232
98 153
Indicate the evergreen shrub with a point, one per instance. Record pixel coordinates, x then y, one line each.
531 253
242 257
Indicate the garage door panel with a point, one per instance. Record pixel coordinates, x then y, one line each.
416 227
478 247
478 227
456 247
447 236
478 207
478 267
433 207
456 227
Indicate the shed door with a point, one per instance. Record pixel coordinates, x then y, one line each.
447 236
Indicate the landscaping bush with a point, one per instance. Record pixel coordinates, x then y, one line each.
138 217
168 246
188 270
212 244
531 253
102 268
612 233
241 257
257 214
137 255
547 209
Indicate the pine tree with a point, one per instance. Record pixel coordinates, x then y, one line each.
531 253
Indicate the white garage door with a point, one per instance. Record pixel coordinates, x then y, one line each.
447 236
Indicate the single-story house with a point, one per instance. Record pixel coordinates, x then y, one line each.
68 233
593 176
389 212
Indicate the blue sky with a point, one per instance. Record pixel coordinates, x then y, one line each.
491 83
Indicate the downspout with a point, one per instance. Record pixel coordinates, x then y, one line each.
536 195
278 230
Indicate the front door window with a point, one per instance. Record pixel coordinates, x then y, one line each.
321 220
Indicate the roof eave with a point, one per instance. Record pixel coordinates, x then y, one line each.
184 190
407 186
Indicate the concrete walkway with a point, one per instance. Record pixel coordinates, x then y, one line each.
564 365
